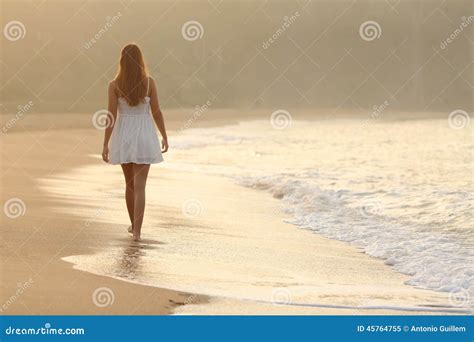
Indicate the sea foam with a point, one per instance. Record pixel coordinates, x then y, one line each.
434 260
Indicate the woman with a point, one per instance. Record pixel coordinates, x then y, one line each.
133 140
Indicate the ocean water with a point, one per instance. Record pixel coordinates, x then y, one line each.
398 190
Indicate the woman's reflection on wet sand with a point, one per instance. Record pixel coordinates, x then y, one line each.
129 264
131 258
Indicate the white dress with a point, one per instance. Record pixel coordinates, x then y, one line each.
134 137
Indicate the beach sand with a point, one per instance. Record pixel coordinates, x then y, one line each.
34 278
236 255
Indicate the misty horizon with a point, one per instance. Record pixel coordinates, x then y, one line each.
246 54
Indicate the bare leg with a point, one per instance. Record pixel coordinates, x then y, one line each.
129 190
140 172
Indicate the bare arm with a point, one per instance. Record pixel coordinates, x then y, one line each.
158 115
112 116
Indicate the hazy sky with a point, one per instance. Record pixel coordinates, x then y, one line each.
242 54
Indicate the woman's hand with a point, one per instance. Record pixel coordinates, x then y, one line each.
164 145
105 154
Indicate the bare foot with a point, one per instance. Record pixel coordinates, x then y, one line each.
130 229
136 237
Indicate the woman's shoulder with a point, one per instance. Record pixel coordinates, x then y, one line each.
151 82
113 86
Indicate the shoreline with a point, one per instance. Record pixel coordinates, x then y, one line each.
249 266
200 118
33 244
159 300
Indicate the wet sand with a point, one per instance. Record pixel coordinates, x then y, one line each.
236 256
35 280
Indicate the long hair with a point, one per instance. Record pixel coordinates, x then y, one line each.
131 79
